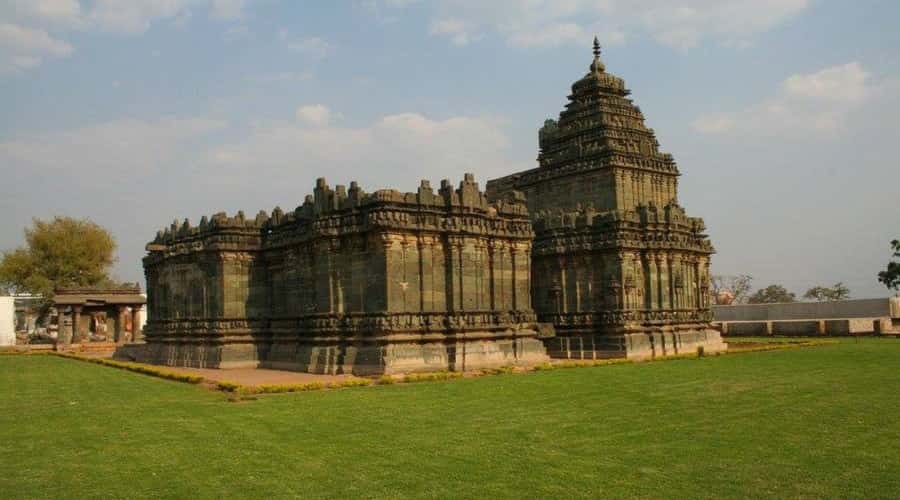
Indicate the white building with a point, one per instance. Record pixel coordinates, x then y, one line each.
7 321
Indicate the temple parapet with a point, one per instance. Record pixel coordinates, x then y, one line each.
387 208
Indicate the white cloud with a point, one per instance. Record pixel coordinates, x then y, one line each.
37 23
816 102
713 124
283 76
121 147
550 35
64 12
312 47
455 29
237 32
23 48
315 114
118 16
32 40
546 23
847 82
394 151
228 9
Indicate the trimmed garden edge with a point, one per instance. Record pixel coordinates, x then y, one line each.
236 390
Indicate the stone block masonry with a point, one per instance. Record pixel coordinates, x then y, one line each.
593 239
349 282
619 268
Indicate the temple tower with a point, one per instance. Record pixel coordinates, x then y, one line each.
617 267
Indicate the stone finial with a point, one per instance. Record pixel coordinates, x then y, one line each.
261 218
468 192
338 198
597 65
354 194
277 215
425 195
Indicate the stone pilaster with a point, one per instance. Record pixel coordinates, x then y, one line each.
76 324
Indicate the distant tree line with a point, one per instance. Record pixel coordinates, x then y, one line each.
736 290
891 276
60 252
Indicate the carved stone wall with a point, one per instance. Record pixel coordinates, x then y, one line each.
348 282
614 253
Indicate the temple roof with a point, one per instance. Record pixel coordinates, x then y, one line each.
598 121
598 79
127 294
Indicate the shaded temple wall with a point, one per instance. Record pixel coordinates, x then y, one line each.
346 266
619 272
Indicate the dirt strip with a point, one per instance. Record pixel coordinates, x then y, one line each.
257 376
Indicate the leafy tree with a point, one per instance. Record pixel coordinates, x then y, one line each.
772 294
824 294
739 286
59 252
891 276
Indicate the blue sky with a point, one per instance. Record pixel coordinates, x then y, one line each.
782 114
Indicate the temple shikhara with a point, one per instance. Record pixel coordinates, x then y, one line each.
618 268
588 255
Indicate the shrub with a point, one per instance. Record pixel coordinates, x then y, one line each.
433 376
228 386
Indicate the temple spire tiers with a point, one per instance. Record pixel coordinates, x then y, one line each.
618 267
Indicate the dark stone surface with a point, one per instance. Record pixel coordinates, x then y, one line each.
349 282
614 253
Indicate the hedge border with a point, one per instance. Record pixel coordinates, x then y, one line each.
240 391
133 367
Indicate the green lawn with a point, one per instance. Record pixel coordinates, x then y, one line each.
820 422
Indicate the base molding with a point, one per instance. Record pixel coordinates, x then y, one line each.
636 345
357 358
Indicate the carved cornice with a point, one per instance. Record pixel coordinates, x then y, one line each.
371 324
602 319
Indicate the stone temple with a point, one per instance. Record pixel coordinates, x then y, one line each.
589 255
617 266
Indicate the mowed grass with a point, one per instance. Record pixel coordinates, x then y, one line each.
820 422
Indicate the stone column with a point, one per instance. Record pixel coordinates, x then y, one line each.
119 334
136 334
63 335
562 303
492 273
454 274
76 324
426 283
